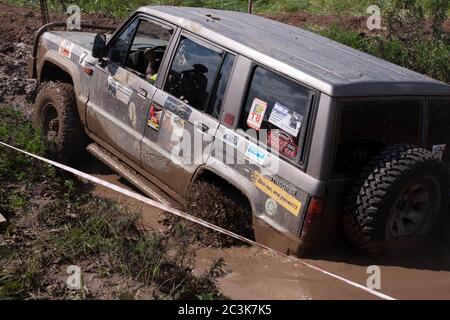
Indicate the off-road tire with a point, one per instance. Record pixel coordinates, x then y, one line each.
221 205
375 194
69 140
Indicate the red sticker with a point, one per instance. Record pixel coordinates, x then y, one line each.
256 115
229 119
283 142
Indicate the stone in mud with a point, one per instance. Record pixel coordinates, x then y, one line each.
3 220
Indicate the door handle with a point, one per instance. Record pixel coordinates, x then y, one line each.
202 127
142 92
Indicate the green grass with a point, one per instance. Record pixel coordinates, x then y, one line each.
427 56
124 8
55 222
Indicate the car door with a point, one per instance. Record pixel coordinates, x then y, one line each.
122 92
184 115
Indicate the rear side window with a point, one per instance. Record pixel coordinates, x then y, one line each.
281 107
439 126
365 127
193 72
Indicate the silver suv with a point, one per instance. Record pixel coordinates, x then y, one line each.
299 137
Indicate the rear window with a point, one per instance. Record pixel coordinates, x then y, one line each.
365 127
439 126
281 107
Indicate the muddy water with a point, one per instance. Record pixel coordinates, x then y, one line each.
253 273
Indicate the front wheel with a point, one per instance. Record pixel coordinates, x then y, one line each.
397 200
55 114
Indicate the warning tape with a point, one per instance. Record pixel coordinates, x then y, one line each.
188 217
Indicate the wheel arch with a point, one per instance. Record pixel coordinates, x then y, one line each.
53 67
213 175
53 72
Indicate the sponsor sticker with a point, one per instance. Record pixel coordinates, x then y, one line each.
66 48
283 142
230 139
180 109
155 117
271 207
286 119
256 115
283 185
277 194
438 151
229 119
256 154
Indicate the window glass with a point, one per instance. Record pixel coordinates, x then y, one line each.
119 50
192 73
148 49
439 126
220 86
280 106
365 128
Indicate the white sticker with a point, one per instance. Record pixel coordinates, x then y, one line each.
230 138
83 57
438 151
286 119
256 115
271 207
256 154
66 48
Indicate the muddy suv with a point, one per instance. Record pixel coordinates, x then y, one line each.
301 138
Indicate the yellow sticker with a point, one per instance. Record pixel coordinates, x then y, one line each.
276 193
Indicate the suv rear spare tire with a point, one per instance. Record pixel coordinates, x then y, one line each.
55 114
396 200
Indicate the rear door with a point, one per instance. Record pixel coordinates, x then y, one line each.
184 115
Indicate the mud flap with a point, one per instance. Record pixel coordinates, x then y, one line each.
274 239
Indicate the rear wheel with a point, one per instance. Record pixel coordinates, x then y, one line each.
396 200
55 114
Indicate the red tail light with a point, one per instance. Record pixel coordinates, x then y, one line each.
315 209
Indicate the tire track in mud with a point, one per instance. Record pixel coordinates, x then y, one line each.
252 272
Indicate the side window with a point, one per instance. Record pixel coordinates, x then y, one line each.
220 86
148 49
119 50
193 72
281 107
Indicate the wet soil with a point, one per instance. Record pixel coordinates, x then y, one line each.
252 273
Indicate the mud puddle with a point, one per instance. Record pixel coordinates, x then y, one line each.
253 273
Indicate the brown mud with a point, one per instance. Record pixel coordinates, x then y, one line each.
252 273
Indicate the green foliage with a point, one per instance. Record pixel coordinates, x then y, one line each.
94 229
16 130
427 56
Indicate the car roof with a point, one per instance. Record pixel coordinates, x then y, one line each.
326 65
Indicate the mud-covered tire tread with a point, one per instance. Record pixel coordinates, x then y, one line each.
363 225
72 140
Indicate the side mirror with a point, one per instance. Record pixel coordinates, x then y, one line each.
98 50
